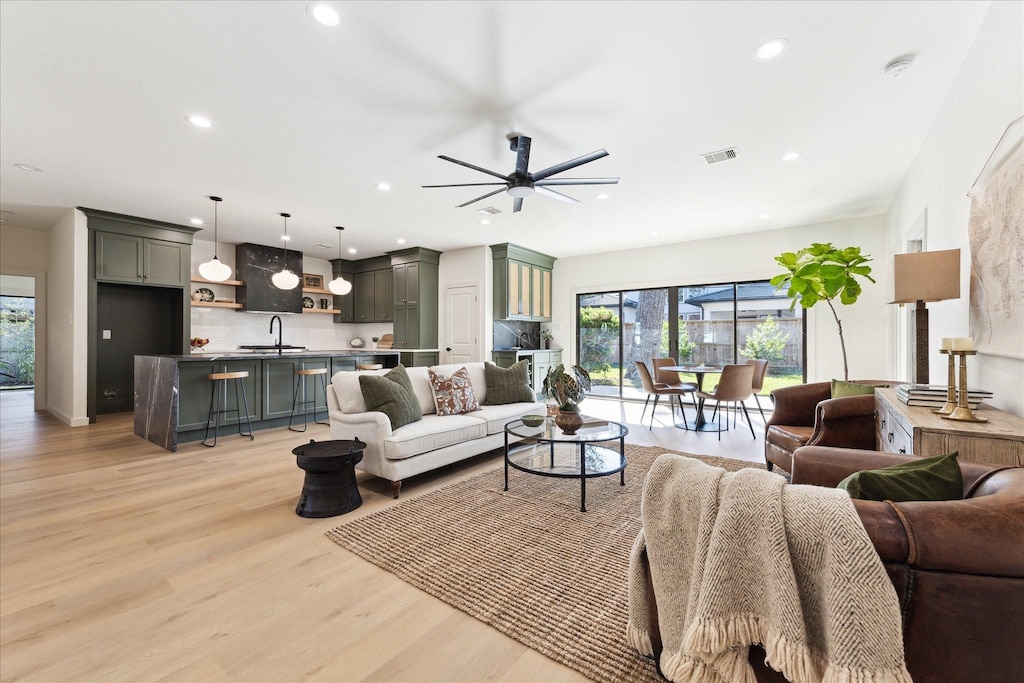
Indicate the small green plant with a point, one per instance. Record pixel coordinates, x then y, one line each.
767 341
821 272
567 386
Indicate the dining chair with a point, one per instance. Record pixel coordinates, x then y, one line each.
734 386
657 390
760 368
671 378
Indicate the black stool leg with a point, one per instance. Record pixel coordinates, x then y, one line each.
300 381
245 405
323 385
214 415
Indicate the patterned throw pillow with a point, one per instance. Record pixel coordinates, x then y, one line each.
508 385
453 395
392 395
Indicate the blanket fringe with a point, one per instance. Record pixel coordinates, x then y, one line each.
712 636
640 638
793 660
678 667
838 674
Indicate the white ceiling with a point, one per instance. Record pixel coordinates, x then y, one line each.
308 118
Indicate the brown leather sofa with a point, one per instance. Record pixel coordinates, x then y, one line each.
957 568
807 415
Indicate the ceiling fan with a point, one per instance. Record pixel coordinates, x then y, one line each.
520 183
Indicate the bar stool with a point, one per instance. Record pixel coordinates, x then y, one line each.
370 366
303 405
217 379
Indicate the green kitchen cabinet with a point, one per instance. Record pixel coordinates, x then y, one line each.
363 292
407 283
194 390
540 362
372 292
415 297
141 260
522 283
419 359
279 384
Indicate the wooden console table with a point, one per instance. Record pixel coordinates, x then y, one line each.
911 429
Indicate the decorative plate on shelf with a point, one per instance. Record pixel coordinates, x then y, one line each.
356 343
205 294
307 302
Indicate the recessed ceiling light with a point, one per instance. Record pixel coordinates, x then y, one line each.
602 196
771 48
383 187
195 221
286 238
764 216
400 240
323 13
897 66
28 167
485 222
351 250
200 121
790 156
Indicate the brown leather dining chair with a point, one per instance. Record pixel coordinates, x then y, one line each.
657 390
671 378
760 368
734 386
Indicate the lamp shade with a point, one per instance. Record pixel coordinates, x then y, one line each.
214 270
926 276
339 286
285 279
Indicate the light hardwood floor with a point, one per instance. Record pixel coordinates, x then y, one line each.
122 562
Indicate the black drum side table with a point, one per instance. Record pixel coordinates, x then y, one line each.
330 488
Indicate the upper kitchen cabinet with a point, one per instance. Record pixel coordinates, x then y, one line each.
522 283
415 297
255 265
370 300
134 250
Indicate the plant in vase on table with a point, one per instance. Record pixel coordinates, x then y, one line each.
567 387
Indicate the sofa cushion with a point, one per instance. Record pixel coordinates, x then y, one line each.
347 389
789 437
934 478
453 394
420 379
431 433
476 376
508 385
392 395
497 417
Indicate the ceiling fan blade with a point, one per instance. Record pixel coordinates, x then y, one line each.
517 204
522 148
547 192
576 181
566 165
466 185
475 168
485 196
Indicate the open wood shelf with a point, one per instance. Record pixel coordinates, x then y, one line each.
320 310
231 283
215 304
317 291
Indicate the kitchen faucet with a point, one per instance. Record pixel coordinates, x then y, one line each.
524 339
278 319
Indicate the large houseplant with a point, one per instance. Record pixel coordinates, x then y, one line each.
821 272
567 387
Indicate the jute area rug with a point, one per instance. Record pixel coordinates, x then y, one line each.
526 562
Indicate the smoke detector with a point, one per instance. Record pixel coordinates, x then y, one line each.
720 155
897 66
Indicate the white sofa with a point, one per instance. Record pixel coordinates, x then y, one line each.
432 442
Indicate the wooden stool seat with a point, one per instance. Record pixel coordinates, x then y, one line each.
301 405
216 380
370 366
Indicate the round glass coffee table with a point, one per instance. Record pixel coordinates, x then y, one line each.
569 456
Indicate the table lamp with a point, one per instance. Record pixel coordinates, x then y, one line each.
918 278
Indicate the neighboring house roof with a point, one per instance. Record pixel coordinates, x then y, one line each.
757 290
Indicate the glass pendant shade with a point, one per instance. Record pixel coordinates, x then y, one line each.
286 279
339 285
213 270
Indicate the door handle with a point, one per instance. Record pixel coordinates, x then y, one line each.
448 348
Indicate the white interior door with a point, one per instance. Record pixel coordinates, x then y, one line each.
462 324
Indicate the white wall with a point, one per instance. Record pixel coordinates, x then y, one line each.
23 254
67 319
745 257
467 267
986 96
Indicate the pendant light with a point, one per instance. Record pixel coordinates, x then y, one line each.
339 285
213 270
286 279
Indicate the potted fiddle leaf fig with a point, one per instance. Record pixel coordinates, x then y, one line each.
822 272
567 387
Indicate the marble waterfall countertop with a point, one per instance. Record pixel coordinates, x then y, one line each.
272 353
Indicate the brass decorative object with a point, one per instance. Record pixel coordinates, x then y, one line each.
963 412
951 390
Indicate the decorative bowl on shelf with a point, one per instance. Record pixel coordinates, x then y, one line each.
533 420
197 343
356 343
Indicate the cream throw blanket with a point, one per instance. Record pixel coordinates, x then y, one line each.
739 558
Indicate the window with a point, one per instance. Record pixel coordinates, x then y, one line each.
714 324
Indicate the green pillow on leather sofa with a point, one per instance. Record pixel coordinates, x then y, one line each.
934 478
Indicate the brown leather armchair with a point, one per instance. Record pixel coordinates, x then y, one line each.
806 415
957 567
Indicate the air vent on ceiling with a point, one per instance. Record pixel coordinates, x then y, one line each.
490 210
323 246
720 155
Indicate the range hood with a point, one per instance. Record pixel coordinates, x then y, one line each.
256 264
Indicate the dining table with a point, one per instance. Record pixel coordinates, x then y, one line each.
700 424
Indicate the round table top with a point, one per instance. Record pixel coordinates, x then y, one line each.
329 449
592 430
692 368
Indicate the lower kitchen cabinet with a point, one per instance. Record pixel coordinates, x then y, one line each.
279 384
194 392
419 359
540 362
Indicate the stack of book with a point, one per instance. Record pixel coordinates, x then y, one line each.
934 395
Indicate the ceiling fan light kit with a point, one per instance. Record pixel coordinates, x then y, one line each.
285 279
521 183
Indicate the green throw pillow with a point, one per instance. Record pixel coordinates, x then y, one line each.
508 385
935 478
841 389
392 395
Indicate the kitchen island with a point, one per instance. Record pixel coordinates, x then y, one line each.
172 393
